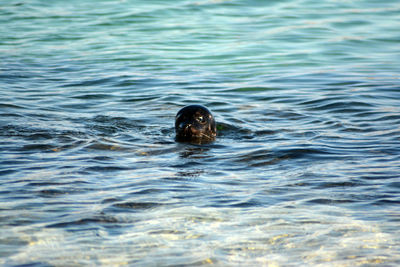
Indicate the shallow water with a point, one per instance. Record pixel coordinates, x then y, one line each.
305 169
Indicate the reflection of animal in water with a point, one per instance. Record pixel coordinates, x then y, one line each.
195 124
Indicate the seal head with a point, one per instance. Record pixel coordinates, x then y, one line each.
195 124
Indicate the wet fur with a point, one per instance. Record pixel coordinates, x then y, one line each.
196 124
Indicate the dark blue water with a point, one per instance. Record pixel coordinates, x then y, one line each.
305 169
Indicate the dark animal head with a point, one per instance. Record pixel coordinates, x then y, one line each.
196 124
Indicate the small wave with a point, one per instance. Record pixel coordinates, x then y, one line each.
263 157
97 219
338 106
329 201
138 205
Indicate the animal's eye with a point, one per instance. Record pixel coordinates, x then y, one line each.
201 119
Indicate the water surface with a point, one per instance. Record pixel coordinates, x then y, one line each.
305 169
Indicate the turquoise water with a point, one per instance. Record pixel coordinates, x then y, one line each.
305 170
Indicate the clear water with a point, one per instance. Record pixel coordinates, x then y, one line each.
306 167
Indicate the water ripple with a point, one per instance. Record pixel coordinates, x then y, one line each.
304 169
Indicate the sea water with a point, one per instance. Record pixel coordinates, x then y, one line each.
305 170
